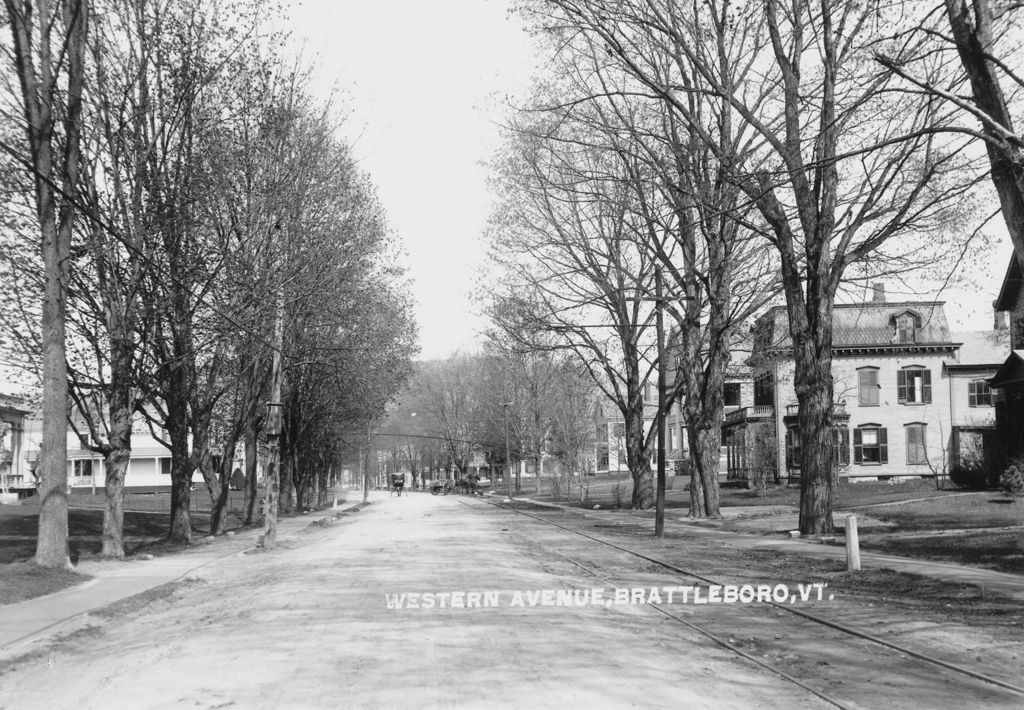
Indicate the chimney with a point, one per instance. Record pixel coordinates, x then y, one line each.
999 318
878 293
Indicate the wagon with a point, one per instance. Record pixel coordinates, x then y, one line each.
447 486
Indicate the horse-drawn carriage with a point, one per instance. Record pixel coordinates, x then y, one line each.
469 485
398 483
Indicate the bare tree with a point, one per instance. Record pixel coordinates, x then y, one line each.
49 47
569 240
848 161
977 29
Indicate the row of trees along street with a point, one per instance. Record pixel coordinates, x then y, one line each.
459 407
736 154
188 240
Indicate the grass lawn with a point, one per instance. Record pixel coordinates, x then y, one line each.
20 579
988 509
19 526
26 580
849 493
602 492
1001 551
899 590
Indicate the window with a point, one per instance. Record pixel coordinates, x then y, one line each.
792 447
81 468
165 466
867 387
731 394
914 385
764 392
870 445
905 328
650 392
979 394
841 446
916 443
620 430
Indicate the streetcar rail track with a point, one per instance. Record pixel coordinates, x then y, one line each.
813 618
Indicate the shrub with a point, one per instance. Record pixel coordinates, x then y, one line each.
617 495
971 477
1012 480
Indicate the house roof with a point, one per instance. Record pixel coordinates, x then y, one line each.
11 403
1010 289
1011 372
981 349
863 325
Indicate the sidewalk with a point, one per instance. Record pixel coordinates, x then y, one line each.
1011 585
34 620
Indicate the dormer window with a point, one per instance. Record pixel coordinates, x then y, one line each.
906 328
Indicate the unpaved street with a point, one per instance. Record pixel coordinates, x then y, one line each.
306 626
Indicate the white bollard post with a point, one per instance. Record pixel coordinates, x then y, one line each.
852 544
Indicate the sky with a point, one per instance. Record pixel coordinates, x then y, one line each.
424 82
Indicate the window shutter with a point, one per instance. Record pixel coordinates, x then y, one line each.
901 386
868 380
926 386
858 447
844 446
883 446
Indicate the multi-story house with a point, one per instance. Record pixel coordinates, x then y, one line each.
610 434
1008 382
14 474
904 394
149 469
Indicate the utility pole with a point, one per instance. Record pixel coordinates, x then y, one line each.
273 430
659 506
363 468
508 461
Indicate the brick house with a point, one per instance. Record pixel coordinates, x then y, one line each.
904 396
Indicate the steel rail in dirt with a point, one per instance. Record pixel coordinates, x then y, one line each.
810 617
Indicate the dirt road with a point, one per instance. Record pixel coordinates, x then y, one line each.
308 626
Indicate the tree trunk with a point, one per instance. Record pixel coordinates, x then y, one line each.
218 518
52 542
117 457
705 445
29 27
251 489
181 484
814 394
288 466
538 464
639 462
